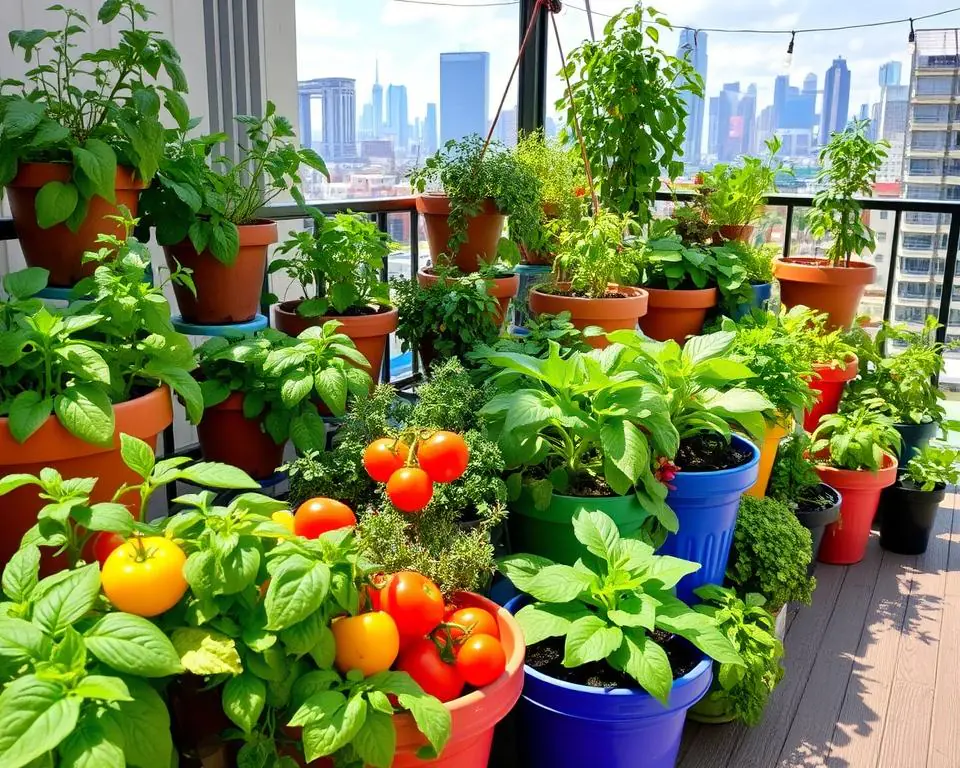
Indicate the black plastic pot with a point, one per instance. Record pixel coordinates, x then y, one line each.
906 517
817 521
915 438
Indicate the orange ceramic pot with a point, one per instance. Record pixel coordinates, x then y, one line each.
483 233
677 314
816 284
611 314
740 232
501 288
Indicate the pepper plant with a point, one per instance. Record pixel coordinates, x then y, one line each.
935 466
609 605
857 439
591 255
732 195
93 111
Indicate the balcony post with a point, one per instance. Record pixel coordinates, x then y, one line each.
532 85
949 275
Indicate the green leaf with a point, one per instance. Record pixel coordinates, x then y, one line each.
635 611
68 600
85 362
331 385
25 282
590 638
522 569
56 200
86 412
10 483
98 162
20 575
304 636
308 432
700 348
35 716
181 382
296 385
432 718
318 707
21 641
668 570
376 741
334 730
133 645
700 630
626 454
539 622
145 724
598 533
244 697
137 455
213 474
91 745
20 117
103 688
297 589
646 662
558 584
205 652
28 412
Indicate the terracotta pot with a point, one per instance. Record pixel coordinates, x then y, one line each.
370 333
845 541
609 314
483 233
502 289
57 249
52 446
816 284
828 384
225 294
677 314
226 435
740 232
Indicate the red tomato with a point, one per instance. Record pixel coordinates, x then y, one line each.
477 622
372 591
320 515
423 663
414 602
410 489
481 660
383 457
443 456
104 543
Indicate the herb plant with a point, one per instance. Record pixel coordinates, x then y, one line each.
468 176
933 467
592 255
756 260
734 194
628 96
771 552
340 259
848 167
611 605
76 363
855 439
94 110
743 689
793 480
204 195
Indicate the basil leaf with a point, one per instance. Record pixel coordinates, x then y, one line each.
133 645
68 600
590 638
297 589
91 746
244 697
145 725
86 412
137 455
205 652
21 574
376 741
35 716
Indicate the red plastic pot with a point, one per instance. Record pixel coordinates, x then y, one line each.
845 541
828 383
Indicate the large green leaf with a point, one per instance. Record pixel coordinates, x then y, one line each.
85 411
626 454
56 201
133 645
669 570
540 622
213 474
205 652
35 716
376 741
91 746
98 162
68 600
21 641
646 662
244 697
21 574
588 639
558 584
598 534
145 724
28 412
297 589
710 345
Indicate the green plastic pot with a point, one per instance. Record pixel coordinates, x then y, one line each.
549 532
711 710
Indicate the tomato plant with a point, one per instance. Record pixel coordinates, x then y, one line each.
443 456
104 543
368 642
383 457
481 660
144 576
317 516
410 489
476 621
423 662
414 602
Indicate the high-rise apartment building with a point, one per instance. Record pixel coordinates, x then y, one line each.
398 125
693 46
430 141
713 126
377 103
464 94
338 115
836 99
890 73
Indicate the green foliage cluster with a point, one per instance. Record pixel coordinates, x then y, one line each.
469 177
855 439
77 362
629 97
771 552
608 605
743 689
814 343
733 194
591 255
340 258
933 467
93 111
756 260
793 480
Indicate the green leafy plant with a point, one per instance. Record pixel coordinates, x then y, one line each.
614 605
793 480
756 260
692 227
628 96
848 167
203 195
857 439
734 194
591 255
812 341
743 689
340 259
77 362
468 176
455 315
771 552
94 110
933 467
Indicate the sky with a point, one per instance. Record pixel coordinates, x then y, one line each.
344 38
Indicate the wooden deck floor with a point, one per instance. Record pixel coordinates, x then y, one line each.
872 670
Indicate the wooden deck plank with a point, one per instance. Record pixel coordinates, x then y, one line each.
907 735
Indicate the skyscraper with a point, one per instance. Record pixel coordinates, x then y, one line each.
338 103
781 88
836 99
810 84
729 123
430 130
747 111
397 125
713 126
377 101
464 94
693 45
890 73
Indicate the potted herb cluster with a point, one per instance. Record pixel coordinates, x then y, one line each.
339 261
908 508
205 210
757 262
849 162
614 659
82 134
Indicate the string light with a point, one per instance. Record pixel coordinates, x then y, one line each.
911 41
788 58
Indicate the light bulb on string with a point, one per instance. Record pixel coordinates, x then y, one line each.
788 57
911 41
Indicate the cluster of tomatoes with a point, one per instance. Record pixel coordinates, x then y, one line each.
441 457
409 628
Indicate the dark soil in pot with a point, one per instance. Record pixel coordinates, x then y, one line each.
710 453
582 294
547 657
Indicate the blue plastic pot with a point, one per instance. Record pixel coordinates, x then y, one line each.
706 504
761 295
563 725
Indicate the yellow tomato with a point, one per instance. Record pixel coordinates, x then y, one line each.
368 642
284 518
144 576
